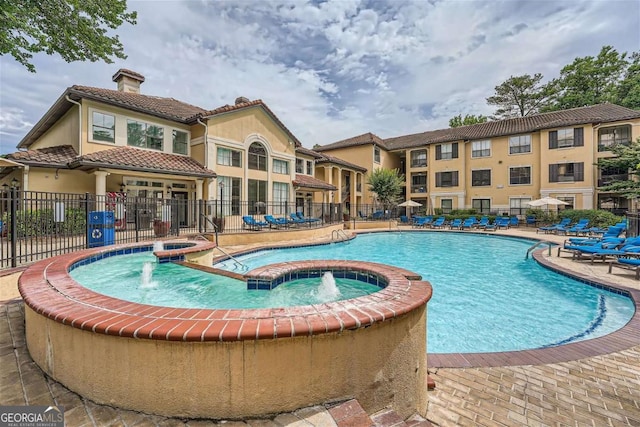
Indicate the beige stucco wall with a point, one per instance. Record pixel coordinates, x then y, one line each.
68 181
65 132
240 379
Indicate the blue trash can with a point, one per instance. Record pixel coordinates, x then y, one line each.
101 230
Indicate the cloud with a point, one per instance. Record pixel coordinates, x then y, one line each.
334 69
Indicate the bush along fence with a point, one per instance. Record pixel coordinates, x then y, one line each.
37 225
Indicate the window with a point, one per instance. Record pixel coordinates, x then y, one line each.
570 201
612 174
280 197
231 194
257 196
563 138
483 206
520 175
140 134
257 157
447 151
180 142
280 166
481 178
104 127
227 157
376 154
519 205
418 158
608 137
300 166
566 172
309 167
447 179
446 205
481 149
520 144
419 182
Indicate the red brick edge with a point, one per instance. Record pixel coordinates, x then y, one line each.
47 288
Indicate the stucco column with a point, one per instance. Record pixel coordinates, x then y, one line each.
328 175
339 198
101 189
25 178
352 192
461 201
199 185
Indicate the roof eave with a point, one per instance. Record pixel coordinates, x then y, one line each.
84 164
61 106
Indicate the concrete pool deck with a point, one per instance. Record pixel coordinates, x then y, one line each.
598 390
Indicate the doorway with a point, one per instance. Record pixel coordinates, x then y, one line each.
181 206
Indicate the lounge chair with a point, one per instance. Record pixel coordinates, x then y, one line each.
404 219
378 215
514 221
604 250
484 221
581 227
555 227
468 223
307 218
502 222
456 223
361 215
252 224
531 220
611 231
628 264
438 223
293 217
422 221
276 222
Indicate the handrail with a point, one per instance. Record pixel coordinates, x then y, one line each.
536 244
235 261
215 227
337 235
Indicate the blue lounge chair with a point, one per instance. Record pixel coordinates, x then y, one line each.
307 218
581 227
378 215
456 223
611 231
252 224
502 222
421 221
276 222
604 250
484 221
514 221
628 264
555 227
531 220
294 219
438 223
404 219
468 223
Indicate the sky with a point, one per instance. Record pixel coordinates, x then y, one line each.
332 69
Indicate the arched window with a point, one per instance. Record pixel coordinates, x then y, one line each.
257 157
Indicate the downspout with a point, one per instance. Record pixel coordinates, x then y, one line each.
206 165
79 123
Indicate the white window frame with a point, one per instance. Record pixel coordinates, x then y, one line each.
173 141
481 149
280 167
224 159
146 136
91 138
376 154
564 132
280 196
446 151
516 141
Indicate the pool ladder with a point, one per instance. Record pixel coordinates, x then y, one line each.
536 244
236 263
335 235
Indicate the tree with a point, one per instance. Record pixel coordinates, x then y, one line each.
589 80
629 88
627 159
519 96
386 184
74 29
469 119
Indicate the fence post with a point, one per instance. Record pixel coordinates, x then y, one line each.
136 209
86 218
14 227
200 213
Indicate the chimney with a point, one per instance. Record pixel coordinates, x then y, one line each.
128 81
242 100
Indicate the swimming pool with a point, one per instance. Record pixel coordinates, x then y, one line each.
486 296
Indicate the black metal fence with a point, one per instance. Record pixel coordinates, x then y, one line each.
37 225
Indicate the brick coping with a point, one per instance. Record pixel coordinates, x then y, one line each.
47 289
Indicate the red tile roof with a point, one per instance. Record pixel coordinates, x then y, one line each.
124 158
136 159
128 73
58 156
364 139
326 158
308 152
306 181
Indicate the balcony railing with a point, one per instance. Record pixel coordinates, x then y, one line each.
607 145
608 179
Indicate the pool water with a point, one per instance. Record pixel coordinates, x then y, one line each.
138 278
486 296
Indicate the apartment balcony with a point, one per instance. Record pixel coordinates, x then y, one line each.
607 146
608 179
417 189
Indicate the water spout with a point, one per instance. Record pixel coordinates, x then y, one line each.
328 290
158 245
146 281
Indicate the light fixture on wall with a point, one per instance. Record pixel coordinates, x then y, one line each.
14 183
123 187
169 190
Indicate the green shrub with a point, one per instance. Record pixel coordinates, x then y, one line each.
40 222
597 218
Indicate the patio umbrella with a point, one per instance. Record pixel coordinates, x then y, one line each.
547 201
410 204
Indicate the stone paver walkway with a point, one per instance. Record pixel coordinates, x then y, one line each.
597 391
